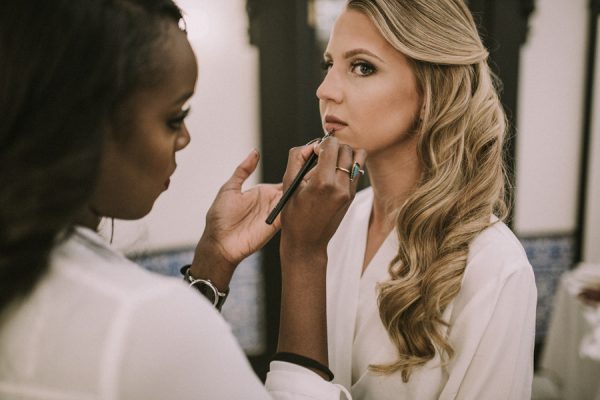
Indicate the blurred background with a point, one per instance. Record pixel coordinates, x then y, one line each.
259 67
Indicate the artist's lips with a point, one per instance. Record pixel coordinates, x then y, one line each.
333 123
168 181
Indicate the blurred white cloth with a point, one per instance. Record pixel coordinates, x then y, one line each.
571 356
587 276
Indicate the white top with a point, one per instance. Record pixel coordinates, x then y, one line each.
492 319
100 327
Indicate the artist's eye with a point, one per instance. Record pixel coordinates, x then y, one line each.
363 68
176 122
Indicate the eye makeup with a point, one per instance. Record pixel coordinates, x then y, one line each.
176 122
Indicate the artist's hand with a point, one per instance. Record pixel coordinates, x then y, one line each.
309 220
314 212
235 225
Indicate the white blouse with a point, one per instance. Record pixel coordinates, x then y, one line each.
492 319
100 327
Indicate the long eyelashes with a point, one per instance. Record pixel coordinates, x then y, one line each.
177 122
360 67
363 68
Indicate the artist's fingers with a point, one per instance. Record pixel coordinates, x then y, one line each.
314 144
242 171
297 156
344 164
327 151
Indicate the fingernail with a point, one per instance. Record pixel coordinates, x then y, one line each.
328 135
315 140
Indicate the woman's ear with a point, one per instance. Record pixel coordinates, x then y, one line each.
422 112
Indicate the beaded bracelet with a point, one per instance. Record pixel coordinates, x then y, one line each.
303 361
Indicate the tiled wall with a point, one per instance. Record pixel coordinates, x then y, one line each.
550 257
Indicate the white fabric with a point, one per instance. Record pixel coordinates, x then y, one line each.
563 360
492 319
586 276
100 327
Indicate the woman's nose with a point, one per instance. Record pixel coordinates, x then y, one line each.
330 89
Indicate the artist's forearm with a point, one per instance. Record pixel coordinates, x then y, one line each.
303 323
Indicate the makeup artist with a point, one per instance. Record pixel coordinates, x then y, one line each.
92 106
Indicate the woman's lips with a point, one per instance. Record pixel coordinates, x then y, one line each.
332 123
331 126
167 183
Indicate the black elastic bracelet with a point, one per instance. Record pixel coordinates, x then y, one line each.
303 361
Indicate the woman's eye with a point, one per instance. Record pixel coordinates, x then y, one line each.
363 68
326 65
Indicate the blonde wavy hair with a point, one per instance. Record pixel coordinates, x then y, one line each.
463 181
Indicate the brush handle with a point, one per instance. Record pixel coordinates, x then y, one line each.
290 190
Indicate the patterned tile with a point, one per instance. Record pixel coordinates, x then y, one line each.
550 256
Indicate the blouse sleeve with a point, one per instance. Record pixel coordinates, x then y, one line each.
175 345
493 338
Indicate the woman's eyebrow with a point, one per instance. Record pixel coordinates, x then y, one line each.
356 52
352 53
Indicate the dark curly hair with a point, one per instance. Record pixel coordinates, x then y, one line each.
66 69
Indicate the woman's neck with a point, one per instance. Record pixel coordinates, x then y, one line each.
394 175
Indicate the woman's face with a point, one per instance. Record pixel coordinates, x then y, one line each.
369 95
139 158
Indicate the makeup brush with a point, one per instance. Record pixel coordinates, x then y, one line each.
295 183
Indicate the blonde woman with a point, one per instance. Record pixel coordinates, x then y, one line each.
430 295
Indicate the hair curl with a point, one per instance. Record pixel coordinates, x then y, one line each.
463 180
66 69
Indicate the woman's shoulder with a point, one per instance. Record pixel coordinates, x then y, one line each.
497 270
495 254
497 241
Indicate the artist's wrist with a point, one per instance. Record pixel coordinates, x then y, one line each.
299 267
302 256
209 263
299 260
294 248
